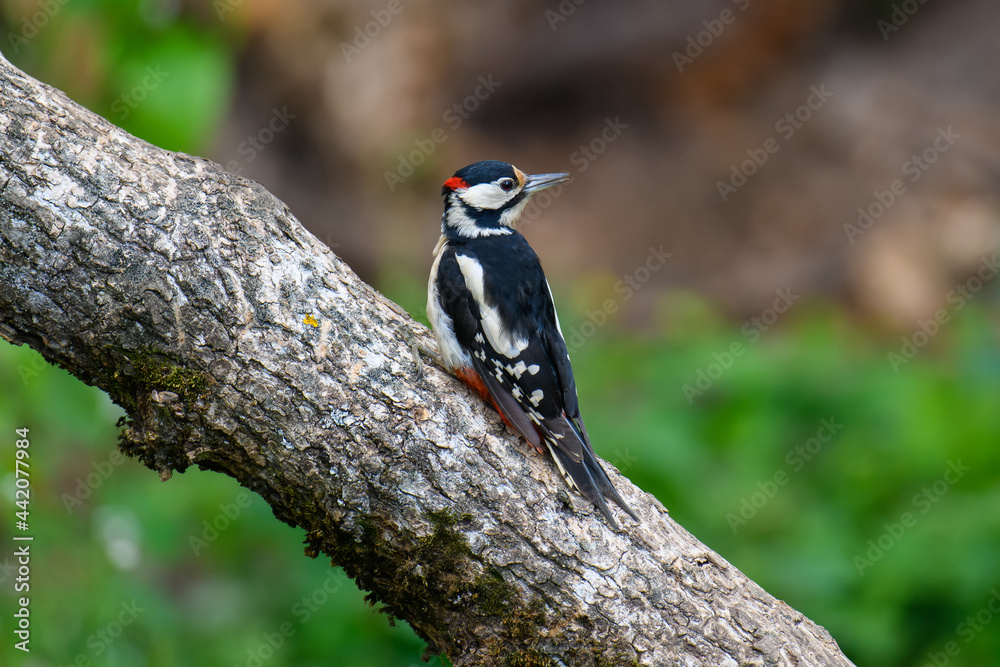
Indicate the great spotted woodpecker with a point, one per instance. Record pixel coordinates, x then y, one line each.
495 322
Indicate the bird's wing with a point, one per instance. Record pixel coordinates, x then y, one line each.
559 354
458 302
526 371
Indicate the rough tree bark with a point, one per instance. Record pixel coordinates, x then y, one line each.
237 342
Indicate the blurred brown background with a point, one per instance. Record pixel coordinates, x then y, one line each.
888 77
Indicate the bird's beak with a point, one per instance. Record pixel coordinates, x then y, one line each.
538 182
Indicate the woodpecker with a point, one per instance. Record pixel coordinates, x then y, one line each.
495 322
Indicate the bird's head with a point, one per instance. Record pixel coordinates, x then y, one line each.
487 198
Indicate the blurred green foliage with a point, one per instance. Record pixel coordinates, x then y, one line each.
130 539
127 570
142 64
754 470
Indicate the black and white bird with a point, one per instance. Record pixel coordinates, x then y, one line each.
495 322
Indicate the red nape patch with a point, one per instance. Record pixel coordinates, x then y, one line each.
455 183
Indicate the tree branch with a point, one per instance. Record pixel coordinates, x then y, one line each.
237 342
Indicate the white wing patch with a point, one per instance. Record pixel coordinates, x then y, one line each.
517 370
502 340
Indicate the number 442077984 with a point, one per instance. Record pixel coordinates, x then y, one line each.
22 495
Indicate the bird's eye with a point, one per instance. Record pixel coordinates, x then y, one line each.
507 184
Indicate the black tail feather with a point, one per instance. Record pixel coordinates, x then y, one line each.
607 488
597 472
580 474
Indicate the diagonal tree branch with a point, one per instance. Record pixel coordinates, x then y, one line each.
237 342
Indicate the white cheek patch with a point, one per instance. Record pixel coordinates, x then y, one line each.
510 217
487 196
502 340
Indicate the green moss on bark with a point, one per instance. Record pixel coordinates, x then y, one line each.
150 370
